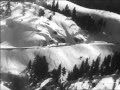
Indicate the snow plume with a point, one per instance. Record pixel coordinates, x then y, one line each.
67 56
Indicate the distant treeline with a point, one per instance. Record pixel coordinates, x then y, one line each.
109 5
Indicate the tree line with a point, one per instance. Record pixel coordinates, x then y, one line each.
109 66
37 71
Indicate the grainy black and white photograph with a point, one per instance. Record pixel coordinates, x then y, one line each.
60 45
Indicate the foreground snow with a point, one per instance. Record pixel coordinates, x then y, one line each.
106 83
2 87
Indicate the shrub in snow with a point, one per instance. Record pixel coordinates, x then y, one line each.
41 12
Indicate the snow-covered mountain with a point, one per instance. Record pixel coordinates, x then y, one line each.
32 29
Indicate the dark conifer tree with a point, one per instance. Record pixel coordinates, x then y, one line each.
56 73
96 67
53 5
82 69
75 73
74 14
102 69
57 7
115 63
69 76
66 11
86 68
107 62
92 70
39 69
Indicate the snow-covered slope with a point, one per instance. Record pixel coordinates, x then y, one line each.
109 33
33 30
103 83
2 87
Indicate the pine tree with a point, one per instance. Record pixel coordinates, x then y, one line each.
115 63
74 14
67 11
107 62
96 67
56 73
92 70
69 77
75 73
53 5
86 68
82 69
39 69
57 7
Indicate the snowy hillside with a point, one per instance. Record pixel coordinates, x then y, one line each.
110 32
34 37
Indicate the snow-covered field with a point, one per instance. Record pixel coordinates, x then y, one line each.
26 34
